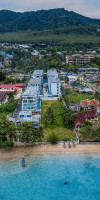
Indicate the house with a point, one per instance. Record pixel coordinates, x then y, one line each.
89 105
11 87
3 97
72 78
86 90
7 61
75 107
92 114
80 119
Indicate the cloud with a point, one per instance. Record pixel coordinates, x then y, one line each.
85 7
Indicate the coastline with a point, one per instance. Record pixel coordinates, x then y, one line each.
17 152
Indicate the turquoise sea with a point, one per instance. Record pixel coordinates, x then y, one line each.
44 177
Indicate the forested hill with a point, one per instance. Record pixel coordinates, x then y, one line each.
57 20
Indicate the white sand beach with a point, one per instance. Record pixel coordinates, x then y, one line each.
18 152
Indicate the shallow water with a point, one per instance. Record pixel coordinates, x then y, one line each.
44 177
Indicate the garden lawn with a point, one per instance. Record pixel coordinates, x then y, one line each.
58 126
77 97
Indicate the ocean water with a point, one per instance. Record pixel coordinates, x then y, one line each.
44 177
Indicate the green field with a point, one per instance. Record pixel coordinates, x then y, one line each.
50 38
77 97
58 126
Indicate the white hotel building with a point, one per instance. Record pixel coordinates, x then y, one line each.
30 99
54 83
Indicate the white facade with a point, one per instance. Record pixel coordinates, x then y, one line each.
38 74
30 98
54 83
72 78
29 117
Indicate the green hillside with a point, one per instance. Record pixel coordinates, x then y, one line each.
51 26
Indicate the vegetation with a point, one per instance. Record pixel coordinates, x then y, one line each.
25 62
53 138
89 132
25 132
58 20
29 134
58 126
69 118
8 107
62 41
77 97
7 133
59 27
2 76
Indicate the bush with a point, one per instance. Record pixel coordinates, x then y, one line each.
6 144
66 139
53 138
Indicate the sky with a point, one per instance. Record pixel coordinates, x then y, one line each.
90 8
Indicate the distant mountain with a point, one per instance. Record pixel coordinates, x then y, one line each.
57 20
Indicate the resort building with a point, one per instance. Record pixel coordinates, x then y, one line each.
52 73
54 83
78 59
89 69
31 102
30 98
35 82
38 74
29 116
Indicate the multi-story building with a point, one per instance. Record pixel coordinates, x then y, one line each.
31 103
29 116
78 59
35 82
54 83
30 98
38 74
52 73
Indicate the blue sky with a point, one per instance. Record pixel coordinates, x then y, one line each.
89 8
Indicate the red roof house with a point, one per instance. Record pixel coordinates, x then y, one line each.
81 118
92 114
11 87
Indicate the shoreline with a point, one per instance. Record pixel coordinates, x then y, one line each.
17 152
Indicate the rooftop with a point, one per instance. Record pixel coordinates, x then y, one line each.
31 91
35 81
54 80
37 72
91 102
12 86
52 72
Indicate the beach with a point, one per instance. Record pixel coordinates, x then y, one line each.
17 152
